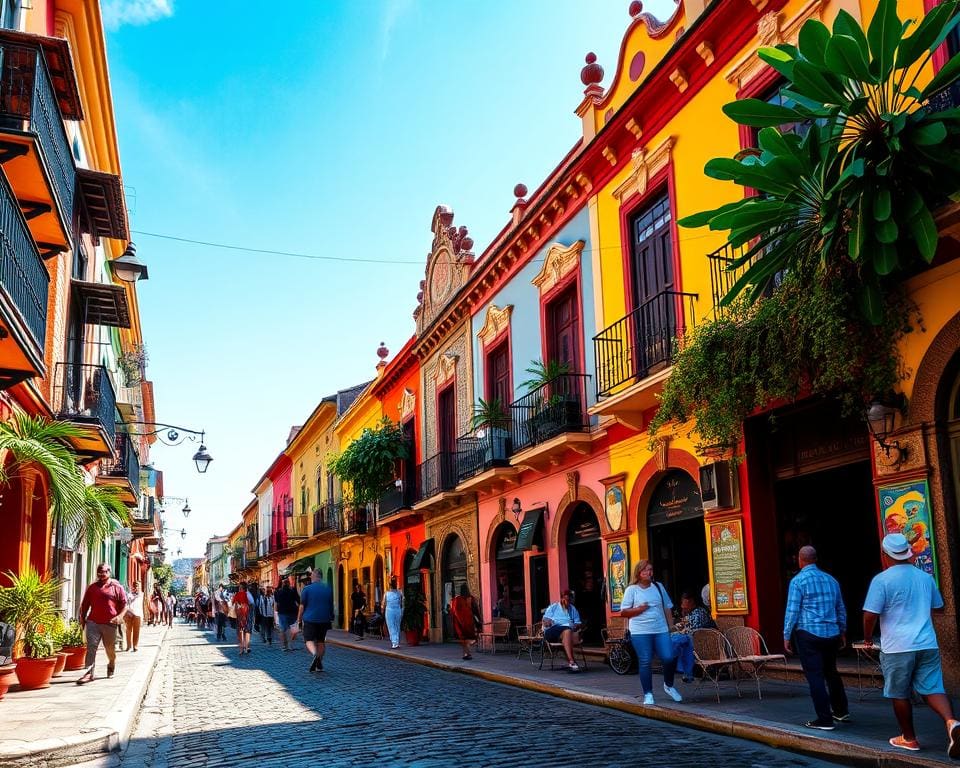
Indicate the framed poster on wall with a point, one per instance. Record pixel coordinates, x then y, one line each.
728 572
905 508
618 571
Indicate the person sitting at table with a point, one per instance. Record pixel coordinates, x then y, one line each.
560 621
694 616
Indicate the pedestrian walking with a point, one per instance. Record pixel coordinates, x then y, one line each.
243 606
560 621
358 601
392 611
287 606
221 606
316 615
465 616
170 606
267 605
815 628
133 618
646 604
101 611
253 588
901 597
156 606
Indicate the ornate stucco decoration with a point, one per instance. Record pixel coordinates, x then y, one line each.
560 261
408 402
495 323
446 368
448 265
644 165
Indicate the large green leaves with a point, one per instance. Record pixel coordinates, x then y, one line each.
884 35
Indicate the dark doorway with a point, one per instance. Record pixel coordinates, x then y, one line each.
511 595
539 587
447 436
453 574
834 511
678 542
341 601
585 571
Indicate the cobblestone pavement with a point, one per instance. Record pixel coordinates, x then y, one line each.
208 707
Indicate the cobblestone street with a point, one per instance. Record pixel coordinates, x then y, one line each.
208 707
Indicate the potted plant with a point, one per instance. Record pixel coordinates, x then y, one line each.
56 635
73 643
555 405
27 604
489 447
413 620
7 668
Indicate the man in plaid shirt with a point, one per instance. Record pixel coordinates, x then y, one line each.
816 620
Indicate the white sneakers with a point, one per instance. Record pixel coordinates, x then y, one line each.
648 699
672 692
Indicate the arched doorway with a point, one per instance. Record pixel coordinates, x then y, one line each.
678 545
341 596
585 570
453 573
948 430
377 582
509 589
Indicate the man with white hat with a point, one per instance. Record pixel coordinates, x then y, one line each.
901 597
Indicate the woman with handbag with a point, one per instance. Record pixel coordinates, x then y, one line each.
646 604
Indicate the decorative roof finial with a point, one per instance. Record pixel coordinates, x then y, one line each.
520 191
591 74
636 8
382 351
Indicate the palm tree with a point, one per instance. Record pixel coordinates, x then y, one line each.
103 512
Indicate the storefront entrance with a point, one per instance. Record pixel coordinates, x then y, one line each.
585 570
453 573
511 595
678 545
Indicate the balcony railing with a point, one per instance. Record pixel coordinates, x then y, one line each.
394 500
436 474
356 521
127 463
643 341
326 517
298 527
483 449
28 103
85 393
558 406
23 277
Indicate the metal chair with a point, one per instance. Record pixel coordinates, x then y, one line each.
713 654
552 649
529 638
752 653
496 630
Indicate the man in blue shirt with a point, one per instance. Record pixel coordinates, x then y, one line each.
316 613
560 621
816 620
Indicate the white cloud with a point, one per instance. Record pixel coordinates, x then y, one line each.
116 13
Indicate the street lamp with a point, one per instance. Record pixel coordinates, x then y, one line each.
186 504
882 421
128 267
182 531
171 435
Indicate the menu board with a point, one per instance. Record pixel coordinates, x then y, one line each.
727 570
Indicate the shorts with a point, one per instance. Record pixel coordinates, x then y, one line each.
286 620
553 633
909 671
316 631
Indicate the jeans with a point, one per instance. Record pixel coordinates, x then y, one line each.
683 650
645 646
266 629
95 633
818 657
393 624
221 626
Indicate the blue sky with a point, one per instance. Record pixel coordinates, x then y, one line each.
325 128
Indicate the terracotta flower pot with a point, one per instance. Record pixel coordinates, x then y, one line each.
35 673
77 657
61 663
6 677
413 637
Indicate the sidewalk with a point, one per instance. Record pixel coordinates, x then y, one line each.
776 720
67 723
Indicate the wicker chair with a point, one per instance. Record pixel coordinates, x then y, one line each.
713 654
752 653
530 639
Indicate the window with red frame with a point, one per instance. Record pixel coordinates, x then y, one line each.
498 385
651 250
447 420
563 328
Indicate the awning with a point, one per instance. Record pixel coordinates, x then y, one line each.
528 529
422 558
103 200
302 565
102 303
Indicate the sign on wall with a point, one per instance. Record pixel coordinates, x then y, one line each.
728 573
905 508
618 571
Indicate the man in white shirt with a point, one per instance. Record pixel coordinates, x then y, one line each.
901 597
560 621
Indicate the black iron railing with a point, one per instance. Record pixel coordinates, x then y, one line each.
356 521
483 449
23 277
723 275
28 103
327 517
250 552
84 393
436 474
297 526
127 463
640 343
558 406
394 500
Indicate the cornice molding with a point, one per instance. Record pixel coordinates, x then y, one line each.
644 165
560 261
496 321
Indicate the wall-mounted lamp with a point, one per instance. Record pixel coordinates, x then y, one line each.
128 267
882 421
517 509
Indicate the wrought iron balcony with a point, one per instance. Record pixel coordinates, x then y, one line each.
24 281
396 499
558 406
297 527
483 449
327 517
84 395
125 466
356 521
250 545
435 475
642 342
32 132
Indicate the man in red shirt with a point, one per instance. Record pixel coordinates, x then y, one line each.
101 611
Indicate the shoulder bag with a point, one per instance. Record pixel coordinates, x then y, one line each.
667 613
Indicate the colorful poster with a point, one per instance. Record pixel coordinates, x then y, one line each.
905 508
613 506
727 570
618 571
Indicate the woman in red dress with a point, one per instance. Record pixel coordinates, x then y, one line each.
241 604
464 612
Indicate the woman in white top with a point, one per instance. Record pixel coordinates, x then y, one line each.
392 609
645 603
133 618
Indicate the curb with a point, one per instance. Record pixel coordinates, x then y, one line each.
105 733
769 735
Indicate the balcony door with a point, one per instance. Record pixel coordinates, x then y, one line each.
563 329
409 465
447 435
651 256
498 375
